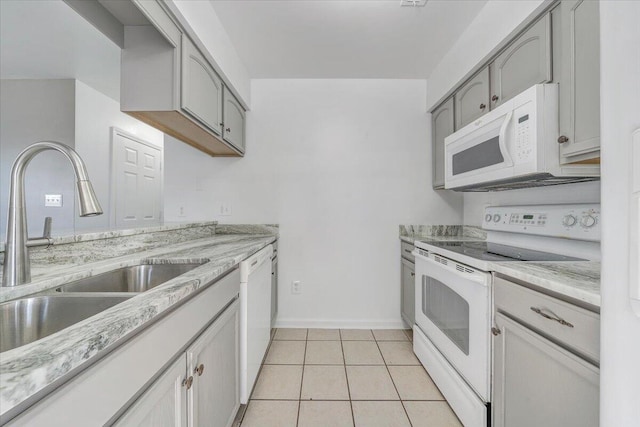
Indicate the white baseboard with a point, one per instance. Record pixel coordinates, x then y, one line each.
340 324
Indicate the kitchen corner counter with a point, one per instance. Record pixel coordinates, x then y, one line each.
577 280
29 372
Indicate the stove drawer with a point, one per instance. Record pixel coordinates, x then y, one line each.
405 251
568 325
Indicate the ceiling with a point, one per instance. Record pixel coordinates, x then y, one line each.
49 40
343 38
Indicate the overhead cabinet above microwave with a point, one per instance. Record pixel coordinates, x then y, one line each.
561 46
169 84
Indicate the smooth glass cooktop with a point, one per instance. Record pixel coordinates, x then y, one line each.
487 251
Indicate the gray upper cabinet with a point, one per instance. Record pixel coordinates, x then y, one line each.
580 81
442 125
524 63
234 121
201 87
168 83
472 99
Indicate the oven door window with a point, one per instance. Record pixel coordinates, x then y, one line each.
447 310
476 157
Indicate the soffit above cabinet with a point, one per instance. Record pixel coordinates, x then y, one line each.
343 38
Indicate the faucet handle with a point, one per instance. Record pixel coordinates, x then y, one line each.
45 240
46 233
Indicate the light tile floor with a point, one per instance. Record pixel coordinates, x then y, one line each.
350 378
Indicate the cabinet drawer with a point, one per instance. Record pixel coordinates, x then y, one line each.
405 251
583 333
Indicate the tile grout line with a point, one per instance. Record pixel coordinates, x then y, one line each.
304 359
393 382
344 359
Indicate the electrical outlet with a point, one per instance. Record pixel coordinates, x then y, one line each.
53 200
296 287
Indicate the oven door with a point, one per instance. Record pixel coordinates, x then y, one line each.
453 309
481 151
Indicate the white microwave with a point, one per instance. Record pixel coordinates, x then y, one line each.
513 146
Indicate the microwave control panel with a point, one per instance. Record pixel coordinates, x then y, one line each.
523 137
580 221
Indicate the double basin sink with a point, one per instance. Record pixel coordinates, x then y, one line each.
29 319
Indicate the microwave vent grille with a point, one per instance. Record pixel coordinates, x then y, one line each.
530 181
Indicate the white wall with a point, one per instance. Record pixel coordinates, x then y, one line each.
203 20
620 116
95 115
32 111
339 164
494 23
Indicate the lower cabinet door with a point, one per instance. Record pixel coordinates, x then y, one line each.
408 292
212 359
538 383
164 404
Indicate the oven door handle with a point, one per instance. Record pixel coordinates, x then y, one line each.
502 139
474 275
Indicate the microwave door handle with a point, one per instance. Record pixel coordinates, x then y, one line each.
502 139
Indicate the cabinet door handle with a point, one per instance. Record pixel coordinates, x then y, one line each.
494 98
562 139
413 274
199 370
554 318
188 382
228 130
482 106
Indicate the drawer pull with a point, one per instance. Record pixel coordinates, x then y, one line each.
546 316
413 274
408 251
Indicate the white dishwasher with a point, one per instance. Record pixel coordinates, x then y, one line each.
255 317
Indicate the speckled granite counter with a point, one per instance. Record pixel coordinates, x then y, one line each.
578 280
26 370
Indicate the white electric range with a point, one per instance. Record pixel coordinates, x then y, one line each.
452 332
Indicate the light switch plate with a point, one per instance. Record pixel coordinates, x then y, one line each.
53 200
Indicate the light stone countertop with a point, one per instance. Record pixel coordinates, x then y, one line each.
25 371
577 280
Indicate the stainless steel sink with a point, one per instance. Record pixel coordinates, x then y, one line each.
137 278
27 320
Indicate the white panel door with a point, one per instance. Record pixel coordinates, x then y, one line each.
136 181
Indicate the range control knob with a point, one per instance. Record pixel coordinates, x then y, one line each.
588 221
496 218
569 220
487 218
